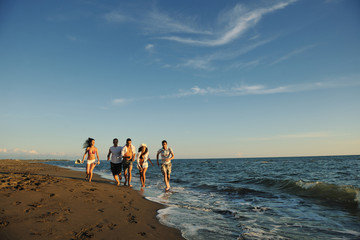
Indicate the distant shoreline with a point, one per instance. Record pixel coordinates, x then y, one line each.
202 158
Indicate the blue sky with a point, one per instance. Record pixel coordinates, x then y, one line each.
214 78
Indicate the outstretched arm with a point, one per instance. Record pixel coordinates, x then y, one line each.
97 154
157 158
84 155
150 162
108 156
172 156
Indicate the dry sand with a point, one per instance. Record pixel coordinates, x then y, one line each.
40 201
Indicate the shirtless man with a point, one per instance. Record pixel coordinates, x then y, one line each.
128 154
167 155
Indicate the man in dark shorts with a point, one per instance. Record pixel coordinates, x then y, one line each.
116 160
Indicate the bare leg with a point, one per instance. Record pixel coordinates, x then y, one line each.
143 177
126 176
87 171
166 180
92 166
116 177
130 169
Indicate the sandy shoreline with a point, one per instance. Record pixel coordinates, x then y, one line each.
40 201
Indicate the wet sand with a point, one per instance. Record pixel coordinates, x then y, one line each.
40 201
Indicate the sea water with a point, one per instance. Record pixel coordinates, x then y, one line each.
255 198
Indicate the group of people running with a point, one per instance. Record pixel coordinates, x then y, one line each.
122 158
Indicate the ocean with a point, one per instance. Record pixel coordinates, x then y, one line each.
255 198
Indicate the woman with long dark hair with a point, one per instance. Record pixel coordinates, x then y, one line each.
91 151
142 162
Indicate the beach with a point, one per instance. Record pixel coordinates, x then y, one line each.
42 201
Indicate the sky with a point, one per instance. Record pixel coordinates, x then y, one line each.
216 79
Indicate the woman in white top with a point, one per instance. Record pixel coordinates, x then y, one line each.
142 162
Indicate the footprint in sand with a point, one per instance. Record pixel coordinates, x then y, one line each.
62 219
34 206
111 226
101 210
153 227
131 218
3 223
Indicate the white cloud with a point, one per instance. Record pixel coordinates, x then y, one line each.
150 47
290 136
72 38
259 89
163 23
121 101
4 150
293 53
244 65
205 62
18 150
256 89
200 63
234 91
116 17
235 22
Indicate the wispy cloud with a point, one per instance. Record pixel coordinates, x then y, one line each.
156 21
206 62
18 150
72 38
259 89
116 17
290 136
25 153
235 22
150 47
244 65
120 101
293 53
233 91
256 89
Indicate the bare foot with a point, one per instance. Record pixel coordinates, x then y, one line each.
130 185
118 184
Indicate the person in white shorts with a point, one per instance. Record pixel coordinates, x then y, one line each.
167 155
91 151
142 162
